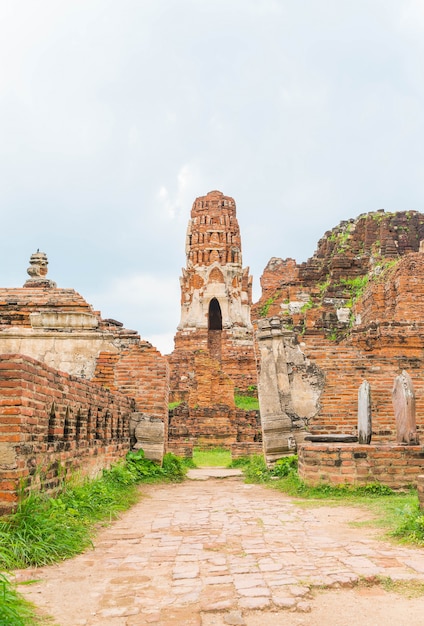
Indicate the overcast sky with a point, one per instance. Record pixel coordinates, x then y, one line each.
116 114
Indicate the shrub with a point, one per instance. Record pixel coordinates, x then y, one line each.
285 466
411 528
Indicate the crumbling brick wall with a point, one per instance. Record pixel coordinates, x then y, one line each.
52 423
345 367
141 373
352 331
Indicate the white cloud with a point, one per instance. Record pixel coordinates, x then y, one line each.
174 205
148 303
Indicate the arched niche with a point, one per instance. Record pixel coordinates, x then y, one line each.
215 315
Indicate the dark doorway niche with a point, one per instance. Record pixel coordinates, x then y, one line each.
215 329
215 315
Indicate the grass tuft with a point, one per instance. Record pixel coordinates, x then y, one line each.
247 403
211 457
14 609
411 527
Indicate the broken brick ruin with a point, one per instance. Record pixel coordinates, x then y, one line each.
214 355
77 391
353 311
74 388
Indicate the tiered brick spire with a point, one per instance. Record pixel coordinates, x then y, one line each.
213 233
214 282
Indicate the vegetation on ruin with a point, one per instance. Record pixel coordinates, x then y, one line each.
411 528
263 311
211 457
397 513
355 286
172 405
308 305
383 266
322 287
45 530
247 403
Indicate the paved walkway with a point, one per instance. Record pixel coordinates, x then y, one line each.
217 552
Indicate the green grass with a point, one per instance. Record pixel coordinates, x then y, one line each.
247 403
173 405
212 457
14 609
397 513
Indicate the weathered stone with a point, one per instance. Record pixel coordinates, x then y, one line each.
234 618
404 407
7 455
273 387
289 388
149 435
58 320
38 271
364 413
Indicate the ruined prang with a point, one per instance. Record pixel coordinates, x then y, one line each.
214 346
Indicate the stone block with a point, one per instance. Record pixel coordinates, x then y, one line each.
149 434
404 407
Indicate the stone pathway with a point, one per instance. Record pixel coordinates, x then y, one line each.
218 552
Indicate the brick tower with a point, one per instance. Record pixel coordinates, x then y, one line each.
214 347
216 292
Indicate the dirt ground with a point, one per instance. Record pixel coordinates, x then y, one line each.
213 551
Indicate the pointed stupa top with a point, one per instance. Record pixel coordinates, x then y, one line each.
38 271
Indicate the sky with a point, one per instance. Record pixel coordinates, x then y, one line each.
116 114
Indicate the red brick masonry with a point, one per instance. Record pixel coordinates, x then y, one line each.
51 422
335 463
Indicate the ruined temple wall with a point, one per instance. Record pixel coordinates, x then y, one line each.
239 360
395 297
74 353
351 332
141 373
345 367
208 416
52 423
59 328
351 249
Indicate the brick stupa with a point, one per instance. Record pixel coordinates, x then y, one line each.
214 345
